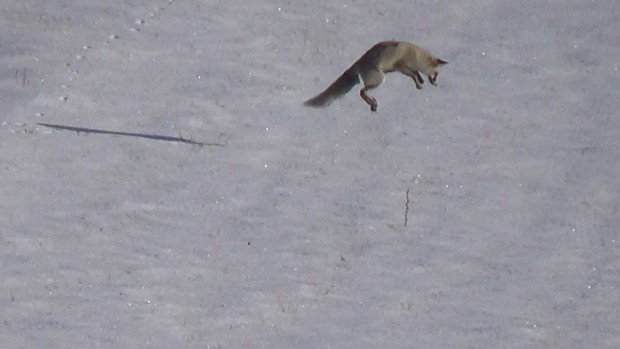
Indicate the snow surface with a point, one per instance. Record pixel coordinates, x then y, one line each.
287 230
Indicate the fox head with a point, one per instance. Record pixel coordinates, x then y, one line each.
436 63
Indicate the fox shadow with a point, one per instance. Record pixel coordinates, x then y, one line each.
79 130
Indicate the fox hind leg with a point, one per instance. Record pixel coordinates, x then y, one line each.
372 79
372 101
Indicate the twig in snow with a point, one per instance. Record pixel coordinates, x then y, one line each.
407 206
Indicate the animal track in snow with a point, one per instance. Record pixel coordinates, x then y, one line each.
73 64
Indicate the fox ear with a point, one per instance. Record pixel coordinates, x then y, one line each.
441 61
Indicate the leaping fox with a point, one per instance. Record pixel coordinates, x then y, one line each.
384 57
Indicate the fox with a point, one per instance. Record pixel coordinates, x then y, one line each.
384 57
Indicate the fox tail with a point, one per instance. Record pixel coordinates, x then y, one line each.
337 89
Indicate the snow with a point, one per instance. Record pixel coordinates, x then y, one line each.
287 229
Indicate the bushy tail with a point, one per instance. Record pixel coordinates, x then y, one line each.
337 89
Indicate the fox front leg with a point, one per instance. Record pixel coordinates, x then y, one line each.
413 74
417 78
